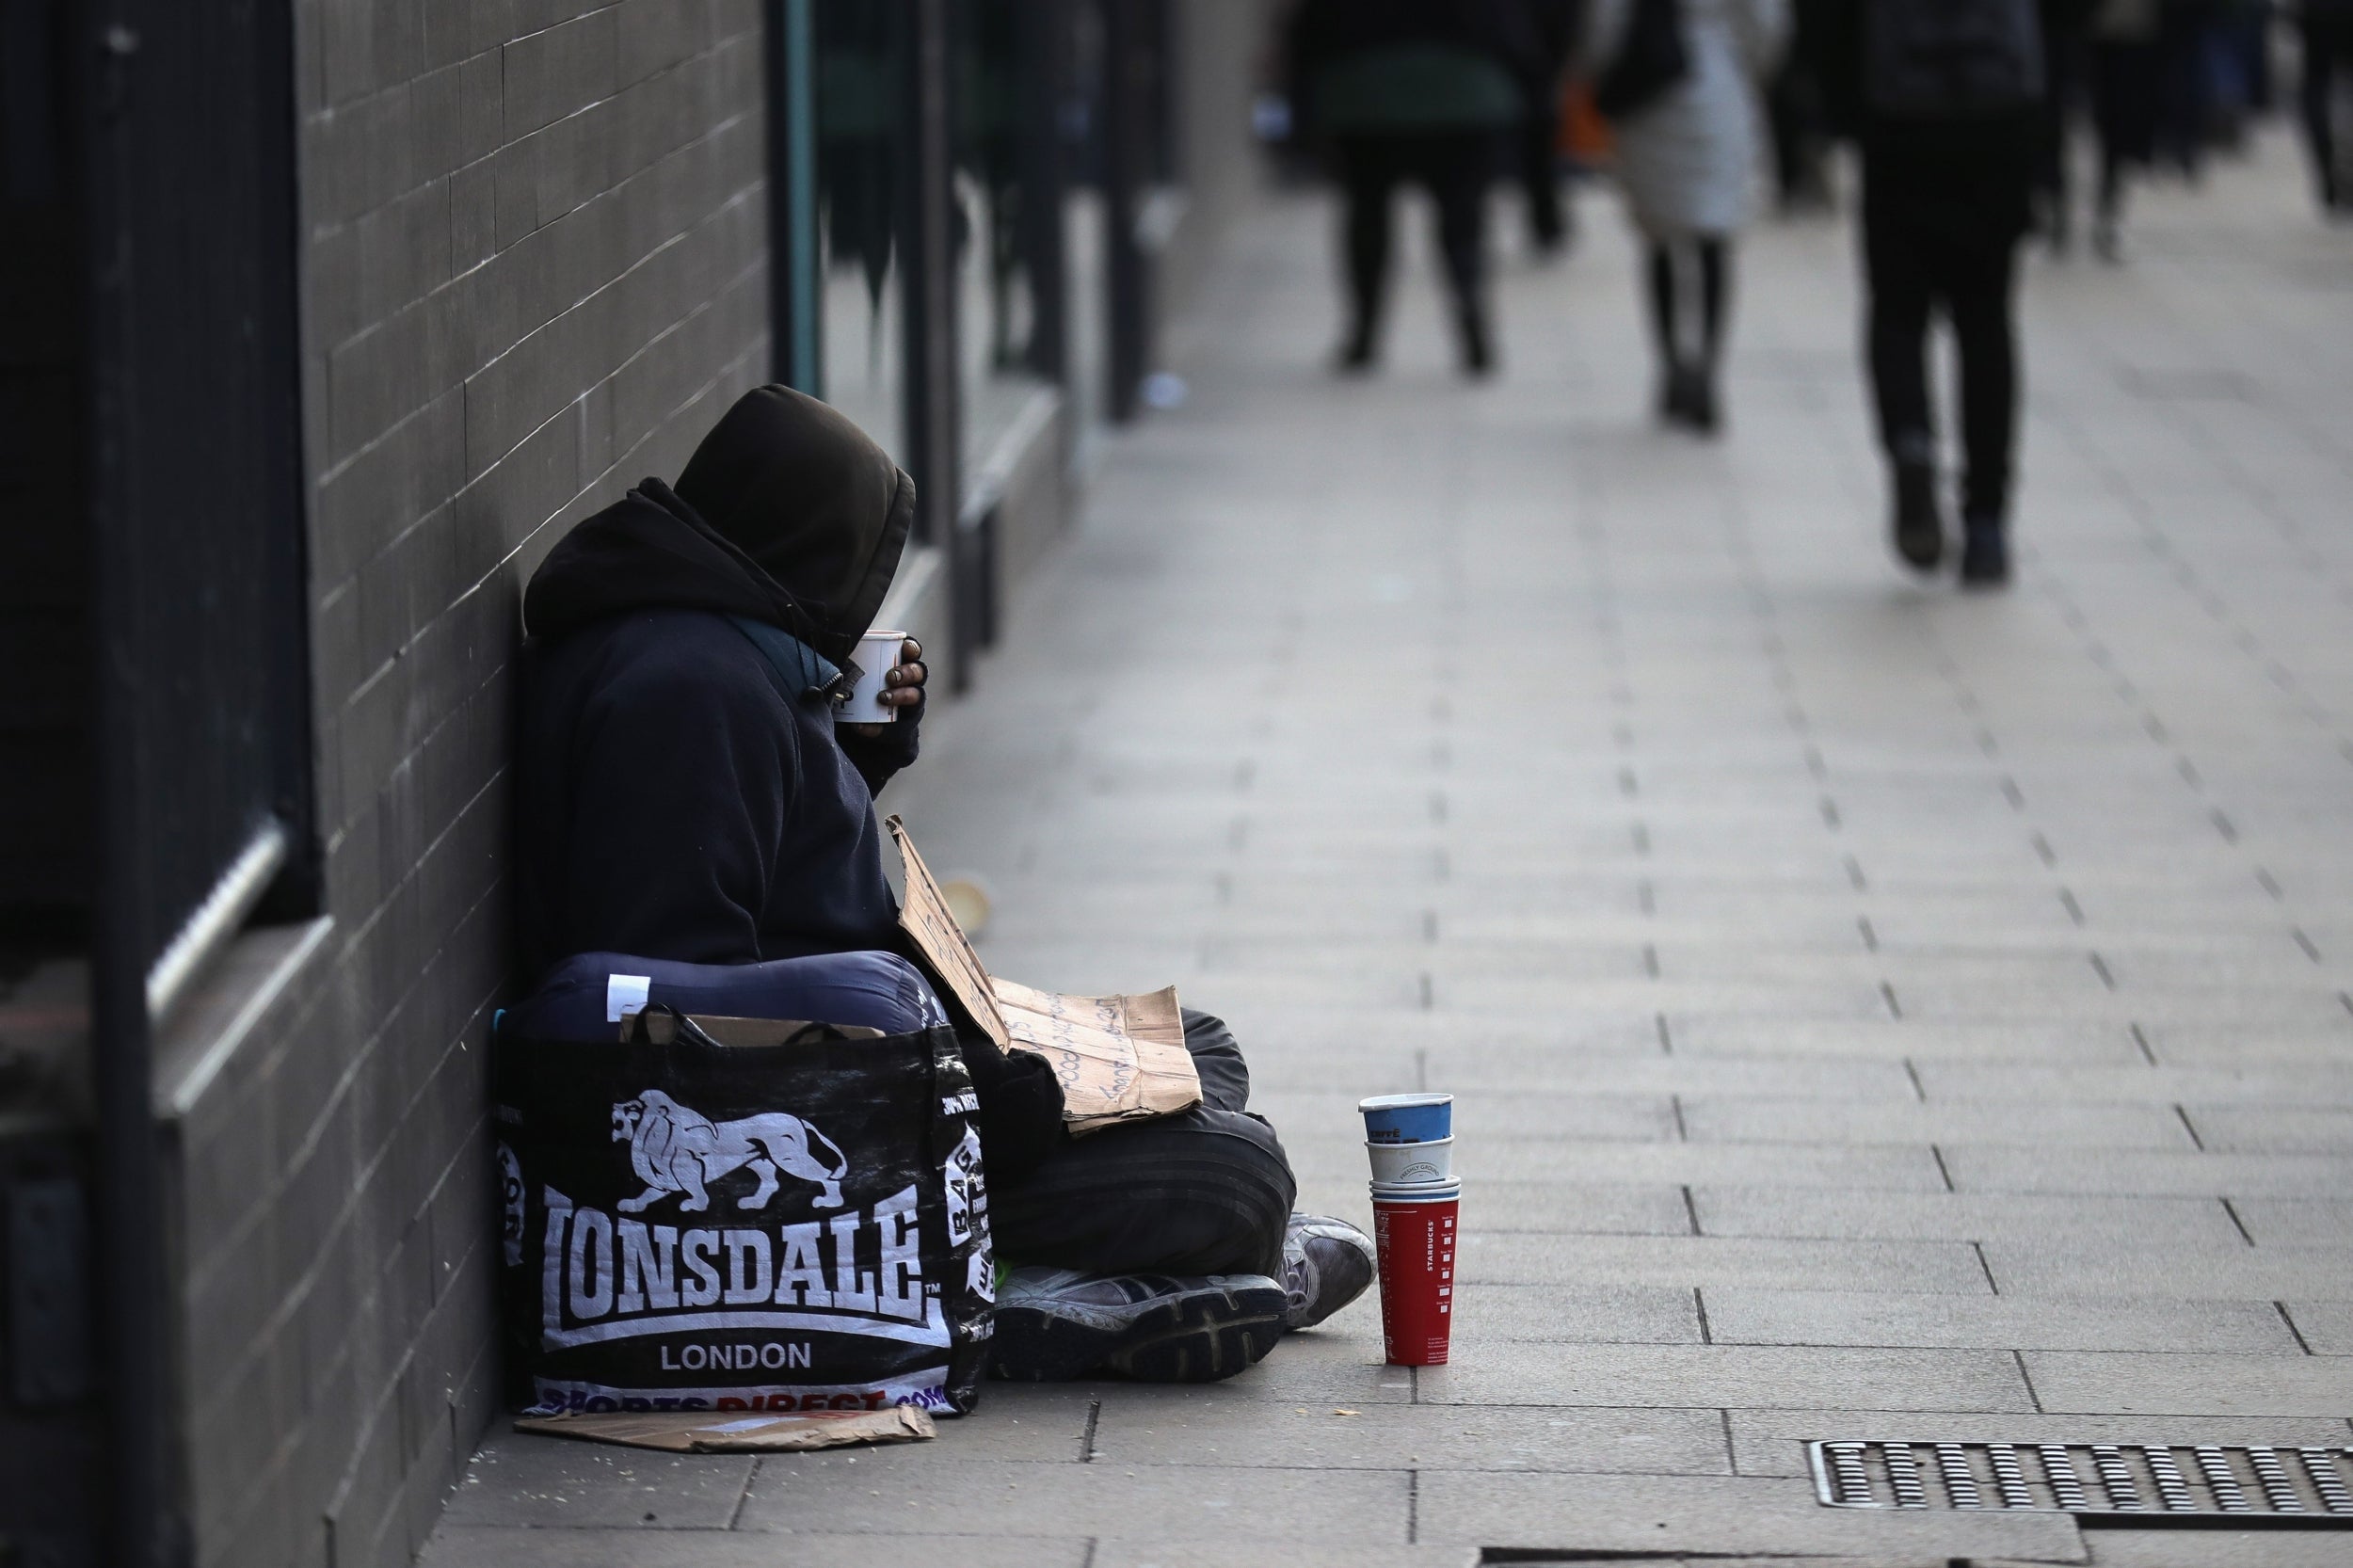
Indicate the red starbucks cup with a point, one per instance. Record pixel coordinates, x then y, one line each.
1413 1227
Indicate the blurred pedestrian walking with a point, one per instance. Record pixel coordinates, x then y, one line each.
1420 91
1800 128
2327 26
1686 141
2128 85
1537 141
1945 98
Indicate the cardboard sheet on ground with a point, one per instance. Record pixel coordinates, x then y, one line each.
706 1431
1119 1058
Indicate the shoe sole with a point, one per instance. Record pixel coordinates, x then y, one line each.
1201 1337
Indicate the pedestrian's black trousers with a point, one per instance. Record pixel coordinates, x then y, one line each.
1455 167
1942 234
1204 1193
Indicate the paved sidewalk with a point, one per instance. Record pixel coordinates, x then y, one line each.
1873 1011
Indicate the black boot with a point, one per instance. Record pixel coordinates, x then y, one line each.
1701 408
1984 553
1479 355
1918 520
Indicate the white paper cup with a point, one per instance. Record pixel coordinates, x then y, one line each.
878 654
1411 1164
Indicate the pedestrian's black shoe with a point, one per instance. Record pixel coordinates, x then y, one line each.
1700 409
1357 356
1677 390
1918 523
1479 355
1054 1324
1984 556
1326 1264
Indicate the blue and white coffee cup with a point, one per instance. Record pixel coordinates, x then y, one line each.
1407 1118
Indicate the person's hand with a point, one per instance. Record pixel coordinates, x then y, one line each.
903 688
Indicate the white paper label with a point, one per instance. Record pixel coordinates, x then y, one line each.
625 994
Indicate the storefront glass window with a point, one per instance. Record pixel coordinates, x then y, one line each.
862 152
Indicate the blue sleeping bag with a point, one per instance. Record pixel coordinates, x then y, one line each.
582 999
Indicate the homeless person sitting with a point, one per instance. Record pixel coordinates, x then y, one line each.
680 799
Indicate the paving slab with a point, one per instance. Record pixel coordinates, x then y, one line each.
906 1491
1148 1426
1744 1317
1644 1514
1734 1374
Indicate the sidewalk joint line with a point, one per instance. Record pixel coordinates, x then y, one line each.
1985 1266
1413 1507
1919 1090
2190 1126
1871 938
2027 1378
2100 967
1683 1135
2294 1333
2310 951
1086 1439
1666 1041
744 1493
2143 1041
1887 991
1699 1301
1942 1168
2231 1210
2075 910
1691 1211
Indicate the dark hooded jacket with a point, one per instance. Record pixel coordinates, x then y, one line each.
677 797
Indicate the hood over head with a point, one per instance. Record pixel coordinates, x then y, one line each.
787 513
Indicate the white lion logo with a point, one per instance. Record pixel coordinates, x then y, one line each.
674 1149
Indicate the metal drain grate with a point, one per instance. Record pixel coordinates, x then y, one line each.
2154 1483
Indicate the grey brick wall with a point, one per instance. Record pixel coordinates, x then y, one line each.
534 269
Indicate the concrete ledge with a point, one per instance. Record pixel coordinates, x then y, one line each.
1025 480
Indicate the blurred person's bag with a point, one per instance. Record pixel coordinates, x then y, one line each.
1651 58
1952 59
728 1208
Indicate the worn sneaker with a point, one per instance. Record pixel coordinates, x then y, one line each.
1326 1264
1054 1324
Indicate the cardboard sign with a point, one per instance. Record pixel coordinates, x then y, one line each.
705 1433
1119 1058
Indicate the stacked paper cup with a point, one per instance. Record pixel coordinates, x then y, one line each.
1416 1202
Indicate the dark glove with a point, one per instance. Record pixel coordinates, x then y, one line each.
1020 1098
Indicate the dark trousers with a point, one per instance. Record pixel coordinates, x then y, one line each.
2327 52
1924 252
1455 167
1204 1192
1537 141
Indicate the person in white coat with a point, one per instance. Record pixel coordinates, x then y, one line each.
1687 160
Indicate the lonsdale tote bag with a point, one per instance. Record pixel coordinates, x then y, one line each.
749 1188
